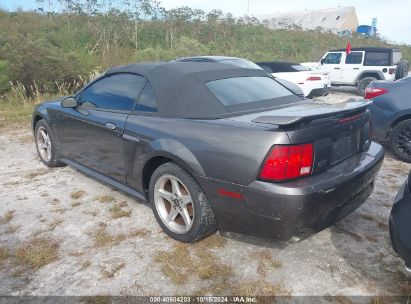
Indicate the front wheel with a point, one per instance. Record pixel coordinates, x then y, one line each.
46 144
400 140
180 205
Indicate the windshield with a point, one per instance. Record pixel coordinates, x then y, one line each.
299 68
241 90
242 63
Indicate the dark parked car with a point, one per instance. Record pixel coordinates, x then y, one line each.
241 63
391 114
213 146
400 223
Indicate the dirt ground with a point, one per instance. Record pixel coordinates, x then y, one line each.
62 233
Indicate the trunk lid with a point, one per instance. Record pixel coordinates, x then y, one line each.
337 131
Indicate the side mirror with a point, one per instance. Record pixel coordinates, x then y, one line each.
322 61
69 102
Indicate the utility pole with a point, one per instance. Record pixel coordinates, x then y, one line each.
248 8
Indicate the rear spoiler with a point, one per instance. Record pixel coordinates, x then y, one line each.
291 120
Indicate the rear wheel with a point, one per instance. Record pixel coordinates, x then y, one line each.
180 205
401 140
364 83
46 144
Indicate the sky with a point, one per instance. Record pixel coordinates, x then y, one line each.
394 18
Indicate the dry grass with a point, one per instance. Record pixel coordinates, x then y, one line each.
139 233
371 238
26 139
12 183
77 194
75 204
253 288
368 217
103 238
51 226
11 229
7 217
184 260
176 263
260 288
36 253
58 210
4 253
85 264
382 223
34 174
117 212
110 273
105 198
77 253
93 212
266 257
55 201
97 300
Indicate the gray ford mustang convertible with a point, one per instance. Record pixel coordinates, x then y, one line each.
213 146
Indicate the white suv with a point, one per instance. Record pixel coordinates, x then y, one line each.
362 66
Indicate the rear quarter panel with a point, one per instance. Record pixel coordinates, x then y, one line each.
389 108
218 149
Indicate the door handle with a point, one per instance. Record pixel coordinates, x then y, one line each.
110 126
336 68
356 68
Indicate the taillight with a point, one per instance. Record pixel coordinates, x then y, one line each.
285 162
371 93
392 71
313 78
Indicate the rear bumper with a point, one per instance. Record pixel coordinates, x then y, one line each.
284 210
320 92
400 225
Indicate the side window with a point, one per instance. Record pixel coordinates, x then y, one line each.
117 92
354 58
147 101
333 58
377 59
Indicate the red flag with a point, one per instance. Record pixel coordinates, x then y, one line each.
348 50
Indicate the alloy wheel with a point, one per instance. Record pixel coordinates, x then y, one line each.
174 204
43 144
403 141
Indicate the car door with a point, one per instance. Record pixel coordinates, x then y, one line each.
92 133
331 63
352 67
138 136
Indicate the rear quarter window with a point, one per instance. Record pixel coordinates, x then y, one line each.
241 90
377 59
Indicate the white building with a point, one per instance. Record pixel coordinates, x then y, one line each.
334 19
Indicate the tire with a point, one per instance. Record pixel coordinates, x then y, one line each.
402 69
202 222
400 140
46 144
363 84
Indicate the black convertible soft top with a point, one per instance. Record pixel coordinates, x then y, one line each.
180 87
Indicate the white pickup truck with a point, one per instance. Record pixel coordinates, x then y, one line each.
361 66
